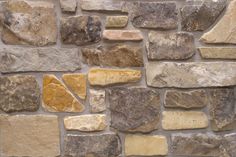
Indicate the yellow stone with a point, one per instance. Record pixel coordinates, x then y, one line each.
76 83
142 145
57 98
103 77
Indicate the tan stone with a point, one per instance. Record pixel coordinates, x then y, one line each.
86 123
57 98
140 145
116 21
97 100
103 77
218 52
29 135
76 83
123 35
225 30
68 5
176 120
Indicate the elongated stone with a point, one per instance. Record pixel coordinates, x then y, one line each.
170 45
191 75
123 35
18 59
29 135
19 93
68 5
134 109
218 52
103 77
99 145
116 21
97 100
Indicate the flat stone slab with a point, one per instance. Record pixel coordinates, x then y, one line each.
218 52
122 35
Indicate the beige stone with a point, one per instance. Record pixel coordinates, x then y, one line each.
97 100
57 98
225 30
76 83
103 77
218 52
29 135
68 5
142 145
116 21
176 120
86 123
123 35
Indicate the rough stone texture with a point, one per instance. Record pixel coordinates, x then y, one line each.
153 14
29 135
186 99
19 59
19 93
99 145
134 109
222 109
29 22
103 77
117 55
86 123
97 100
162 45
229 145
191 75
123 35
81 30
116 21
218 52
145 145
77 83
57 98
227 24
68 5
176 120
201 17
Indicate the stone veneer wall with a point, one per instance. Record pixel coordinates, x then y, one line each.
107 78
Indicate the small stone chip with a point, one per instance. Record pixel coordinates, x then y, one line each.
116 21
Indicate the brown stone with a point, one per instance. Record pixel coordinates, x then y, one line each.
123 35
218 52
116 21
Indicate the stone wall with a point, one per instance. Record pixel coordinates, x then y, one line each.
109 78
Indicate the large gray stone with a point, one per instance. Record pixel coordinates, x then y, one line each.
19 59
19 93
229 145
134 109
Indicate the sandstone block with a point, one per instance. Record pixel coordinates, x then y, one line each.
68 5
116 21
218 52
122 35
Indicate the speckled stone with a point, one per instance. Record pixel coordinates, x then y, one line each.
97 100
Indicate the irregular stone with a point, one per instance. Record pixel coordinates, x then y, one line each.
81 30
134 109
222 109
117 55
177 120
116 21
97 100
68 5
29 135
29 22
145 145
19 93
77 83
19 59
86 123
99 145
123 35
227 24
229 145
153 14
191 75
201 17
218 52
186 99
57 98
170 45
196 145
103 77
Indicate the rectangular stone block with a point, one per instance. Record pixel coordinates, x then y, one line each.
218 52
122 35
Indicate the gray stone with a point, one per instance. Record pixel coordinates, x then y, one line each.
68 5
19 93
222 109
201 17
43 59
186 99
162 45
99 145
134 109
191 75
153 14
117 55
229 145
81 30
